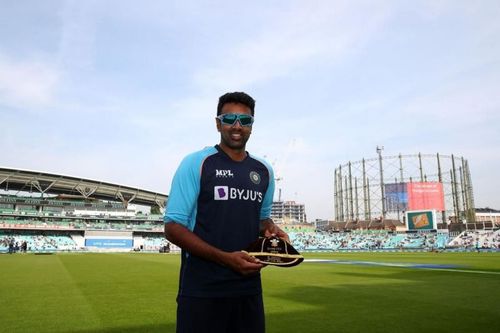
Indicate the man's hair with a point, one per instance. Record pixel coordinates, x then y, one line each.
236 97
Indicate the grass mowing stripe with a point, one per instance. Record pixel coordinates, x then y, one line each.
461 271
40 288
431 267
126 291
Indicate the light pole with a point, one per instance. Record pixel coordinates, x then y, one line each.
379 152
277 180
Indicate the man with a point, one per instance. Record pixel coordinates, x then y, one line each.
219 203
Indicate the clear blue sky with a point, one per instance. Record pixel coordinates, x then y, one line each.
120 91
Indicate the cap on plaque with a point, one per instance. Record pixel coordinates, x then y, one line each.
274 251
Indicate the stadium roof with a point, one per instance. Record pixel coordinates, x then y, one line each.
487 210
48 183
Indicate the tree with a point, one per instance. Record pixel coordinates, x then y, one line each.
155 210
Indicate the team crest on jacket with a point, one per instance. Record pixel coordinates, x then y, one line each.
255 177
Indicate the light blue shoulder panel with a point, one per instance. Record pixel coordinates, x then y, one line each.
183 197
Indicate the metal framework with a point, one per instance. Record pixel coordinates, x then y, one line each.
359 186
47 183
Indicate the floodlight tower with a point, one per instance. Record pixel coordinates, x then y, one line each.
379 152
277 180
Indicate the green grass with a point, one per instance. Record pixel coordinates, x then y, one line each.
136 293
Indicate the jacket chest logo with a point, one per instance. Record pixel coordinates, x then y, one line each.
223 173
233 193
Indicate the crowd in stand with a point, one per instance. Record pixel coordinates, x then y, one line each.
478 239
302 240
36 242
156 244
383 240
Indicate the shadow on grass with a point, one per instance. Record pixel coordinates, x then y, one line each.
368 276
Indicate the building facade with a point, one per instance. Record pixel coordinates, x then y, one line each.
288 212
488 216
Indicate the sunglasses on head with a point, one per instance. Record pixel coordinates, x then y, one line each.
231 118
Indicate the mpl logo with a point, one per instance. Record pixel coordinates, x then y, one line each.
221 193
223 173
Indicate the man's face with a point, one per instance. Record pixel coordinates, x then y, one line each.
234 136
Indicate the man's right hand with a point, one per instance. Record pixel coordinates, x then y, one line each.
242 263
238 261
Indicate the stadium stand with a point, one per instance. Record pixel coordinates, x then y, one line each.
479 239
44 241
382 240
60 221
64 223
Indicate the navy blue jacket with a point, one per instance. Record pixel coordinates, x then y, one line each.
222 201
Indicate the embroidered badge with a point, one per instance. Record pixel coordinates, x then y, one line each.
255 177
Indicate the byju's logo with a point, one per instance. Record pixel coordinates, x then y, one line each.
221 193
223 173
231 193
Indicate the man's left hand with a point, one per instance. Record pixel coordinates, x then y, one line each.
271 229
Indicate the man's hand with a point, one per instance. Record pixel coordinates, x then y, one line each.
242 263
238 261
270 229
